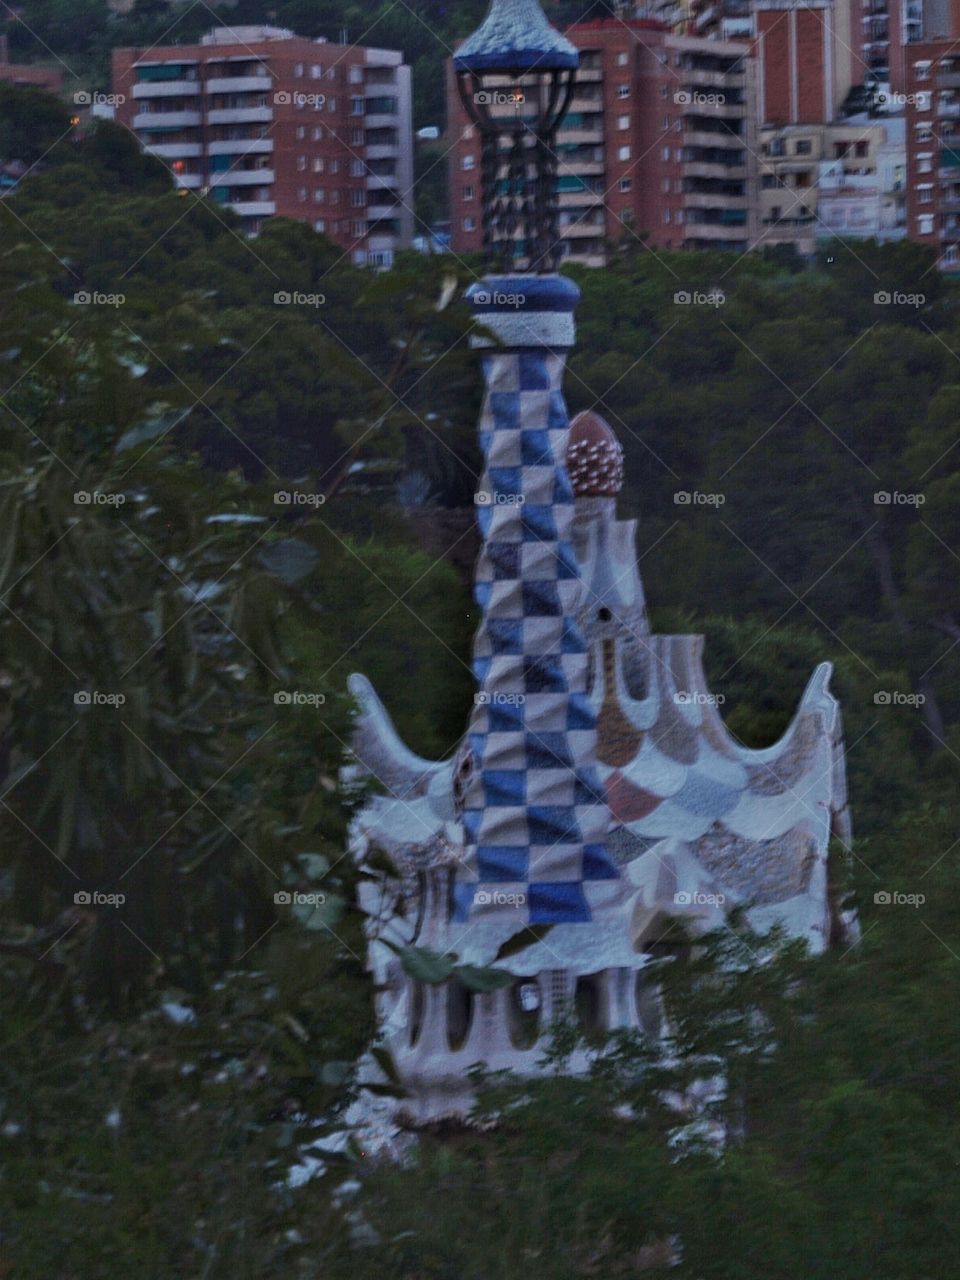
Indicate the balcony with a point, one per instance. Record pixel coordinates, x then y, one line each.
174 150
706 169
167 120
713 200
382 151
242 84
587 105
242 178
381 181
241 147
253 208
240 115
582 135
948 80
580 229
165 89
579 199
719 80
192 181
717 140
714 232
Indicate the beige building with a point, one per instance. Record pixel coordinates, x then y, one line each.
821 180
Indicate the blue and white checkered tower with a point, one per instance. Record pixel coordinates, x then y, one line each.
534 811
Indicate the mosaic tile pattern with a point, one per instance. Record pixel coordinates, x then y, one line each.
534 811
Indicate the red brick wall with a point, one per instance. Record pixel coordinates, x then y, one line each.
335 146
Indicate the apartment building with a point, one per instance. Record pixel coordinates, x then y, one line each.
273 124
843 179
933 148
658 142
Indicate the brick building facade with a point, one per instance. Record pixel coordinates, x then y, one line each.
269 123
658 142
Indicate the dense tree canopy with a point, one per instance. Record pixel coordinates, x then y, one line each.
792 453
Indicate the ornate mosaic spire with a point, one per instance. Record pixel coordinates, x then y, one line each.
515 75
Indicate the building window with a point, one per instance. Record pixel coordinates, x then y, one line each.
301 164
468 162
317 132
320 225
468 193
332 73
302 194
318 164
623 91
924 134
665 122
925 224
925 162
356 137
301 133
356 106
334 197
679 217
298 70
769 180
862 148
356 75
664 91
625 184
922 70
316 72
623 153
469 224
664 184
357 168
666 215
623 122
623 59
359 228
951 255
665 154
334 166
331 104
319 196
925 193
804 147
358 197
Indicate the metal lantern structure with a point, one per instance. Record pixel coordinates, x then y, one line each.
515 76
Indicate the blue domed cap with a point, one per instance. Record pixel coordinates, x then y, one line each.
516 36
